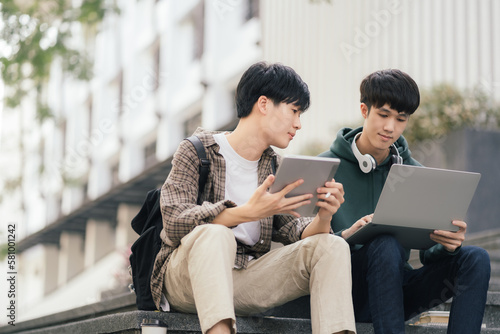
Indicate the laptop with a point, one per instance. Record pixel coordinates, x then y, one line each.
415 201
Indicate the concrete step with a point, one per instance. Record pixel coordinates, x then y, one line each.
300 307
491 313
489 240
495 270
119 315
129 323
494 255
494 284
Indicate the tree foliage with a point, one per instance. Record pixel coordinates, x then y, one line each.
35 33
444 108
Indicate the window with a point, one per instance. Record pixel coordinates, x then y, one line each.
252 9
85 191
150 154
198 19
120 105
42 153
156 64
192 124
115 179
64 134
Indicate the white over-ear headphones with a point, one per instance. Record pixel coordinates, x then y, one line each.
367 163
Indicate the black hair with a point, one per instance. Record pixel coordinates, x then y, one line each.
393 87
277 82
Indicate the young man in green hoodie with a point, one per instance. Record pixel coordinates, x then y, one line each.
386 289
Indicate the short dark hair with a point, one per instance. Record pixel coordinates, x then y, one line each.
393 87
277 82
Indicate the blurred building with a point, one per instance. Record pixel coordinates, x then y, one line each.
165 67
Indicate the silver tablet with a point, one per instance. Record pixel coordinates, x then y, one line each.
315 171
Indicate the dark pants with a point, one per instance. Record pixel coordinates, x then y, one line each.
387 294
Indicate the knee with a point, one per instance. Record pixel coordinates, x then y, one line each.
329 243
477 259
334 241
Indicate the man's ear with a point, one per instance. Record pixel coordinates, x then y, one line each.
364 110
262 104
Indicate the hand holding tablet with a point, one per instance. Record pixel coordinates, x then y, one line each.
315 171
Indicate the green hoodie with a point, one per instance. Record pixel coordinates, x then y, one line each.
362 191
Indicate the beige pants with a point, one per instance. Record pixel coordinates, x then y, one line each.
200 279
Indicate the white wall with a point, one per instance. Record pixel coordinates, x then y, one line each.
334 44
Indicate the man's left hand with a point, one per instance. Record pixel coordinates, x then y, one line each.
331 196
451 240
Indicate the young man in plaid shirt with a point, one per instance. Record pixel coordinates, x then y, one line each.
216 258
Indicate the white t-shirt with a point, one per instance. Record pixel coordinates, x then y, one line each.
241 183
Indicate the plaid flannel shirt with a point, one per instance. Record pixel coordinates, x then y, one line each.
181 214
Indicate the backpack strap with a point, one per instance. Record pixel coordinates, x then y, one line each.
204 164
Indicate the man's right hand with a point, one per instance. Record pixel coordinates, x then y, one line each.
356 226
263 204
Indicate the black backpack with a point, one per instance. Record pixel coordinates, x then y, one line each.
148 224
